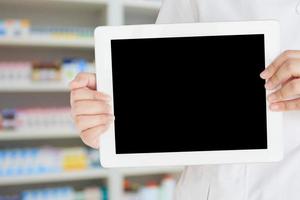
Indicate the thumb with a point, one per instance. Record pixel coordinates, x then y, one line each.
84 80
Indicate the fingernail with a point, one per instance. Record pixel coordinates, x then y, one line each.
268 85
274 107
272 97
263 74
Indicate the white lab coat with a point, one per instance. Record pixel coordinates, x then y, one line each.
273 181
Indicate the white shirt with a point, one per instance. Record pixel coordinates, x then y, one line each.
273 181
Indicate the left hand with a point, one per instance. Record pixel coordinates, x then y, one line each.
284 71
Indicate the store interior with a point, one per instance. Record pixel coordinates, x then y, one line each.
43 45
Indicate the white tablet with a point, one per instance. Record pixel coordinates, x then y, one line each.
188 94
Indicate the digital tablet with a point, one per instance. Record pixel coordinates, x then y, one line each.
188 94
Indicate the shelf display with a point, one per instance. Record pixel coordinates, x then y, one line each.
38 71
46 160
24 28
60 193
36 119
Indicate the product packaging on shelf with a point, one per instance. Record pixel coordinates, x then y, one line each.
60 193
45 160
18 28
20 73
37 120
14 27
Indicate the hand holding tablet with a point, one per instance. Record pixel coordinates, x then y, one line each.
168 85
91 110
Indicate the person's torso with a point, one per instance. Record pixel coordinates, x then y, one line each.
273 181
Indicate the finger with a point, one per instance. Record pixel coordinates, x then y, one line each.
84 80
91 136
87 94
289 69
84 122
90 107
286 105
272 68
289 90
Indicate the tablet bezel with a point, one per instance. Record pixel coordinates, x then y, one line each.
103 36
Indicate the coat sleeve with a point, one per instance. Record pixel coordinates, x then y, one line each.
178 11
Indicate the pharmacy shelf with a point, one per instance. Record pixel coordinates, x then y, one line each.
34 87
42 135
32 41
142 4
150 171
58 177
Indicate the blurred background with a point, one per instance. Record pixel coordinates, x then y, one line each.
43 45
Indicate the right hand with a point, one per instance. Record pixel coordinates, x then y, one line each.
90 109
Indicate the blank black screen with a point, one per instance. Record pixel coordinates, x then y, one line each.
189 94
